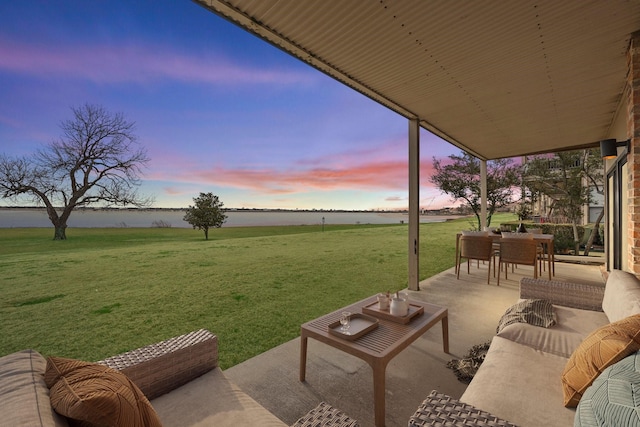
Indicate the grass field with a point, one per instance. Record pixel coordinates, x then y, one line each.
106 291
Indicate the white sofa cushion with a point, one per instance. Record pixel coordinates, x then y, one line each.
621 295
24 396
520 384
212 400
571 328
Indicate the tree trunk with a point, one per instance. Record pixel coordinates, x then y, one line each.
206 233
60 232
594 231
477 214
59 221
576 238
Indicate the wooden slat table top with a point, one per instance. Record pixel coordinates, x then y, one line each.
539 237
383 342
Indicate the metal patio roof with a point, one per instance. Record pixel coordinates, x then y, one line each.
495 78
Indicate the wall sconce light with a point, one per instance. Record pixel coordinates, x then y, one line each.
609 148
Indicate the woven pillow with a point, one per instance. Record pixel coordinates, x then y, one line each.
96 395
612 399
602 348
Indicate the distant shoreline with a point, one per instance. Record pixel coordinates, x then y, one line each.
30 217
443 212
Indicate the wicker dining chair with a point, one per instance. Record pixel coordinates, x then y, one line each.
477 248
518 252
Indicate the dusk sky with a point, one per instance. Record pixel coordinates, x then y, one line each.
217 109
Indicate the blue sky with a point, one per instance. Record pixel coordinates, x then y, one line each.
216 108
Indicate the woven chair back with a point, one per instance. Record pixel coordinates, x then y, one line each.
518 251
476 247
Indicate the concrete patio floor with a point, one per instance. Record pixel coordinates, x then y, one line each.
346 382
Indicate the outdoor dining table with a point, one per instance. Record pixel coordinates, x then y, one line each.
546 240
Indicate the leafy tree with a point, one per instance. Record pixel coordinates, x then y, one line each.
95 161
563 178
206 213
460 178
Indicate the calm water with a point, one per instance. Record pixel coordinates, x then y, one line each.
12 218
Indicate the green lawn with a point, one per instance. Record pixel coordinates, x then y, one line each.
105 291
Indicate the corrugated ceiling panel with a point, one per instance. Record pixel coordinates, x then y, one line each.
499 78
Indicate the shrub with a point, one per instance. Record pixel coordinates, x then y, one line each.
563 236
160 224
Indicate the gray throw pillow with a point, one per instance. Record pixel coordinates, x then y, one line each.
536 312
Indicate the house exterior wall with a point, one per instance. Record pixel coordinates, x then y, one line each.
632 217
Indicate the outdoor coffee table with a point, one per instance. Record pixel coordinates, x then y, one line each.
377 347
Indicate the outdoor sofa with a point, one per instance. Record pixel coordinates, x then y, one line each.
519 383
535 376
177 384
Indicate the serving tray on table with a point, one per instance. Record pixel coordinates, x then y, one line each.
414 311
360 325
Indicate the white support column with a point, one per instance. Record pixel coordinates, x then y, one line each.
483 194
414 204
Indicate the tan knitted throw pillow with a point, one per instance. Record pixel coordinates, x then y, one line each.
97 395
602 348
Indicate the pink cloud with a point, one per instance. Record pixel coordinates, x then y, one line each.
395 199
389 175
134 63
380 166
376 176
172 191
368 176
351 170
11 122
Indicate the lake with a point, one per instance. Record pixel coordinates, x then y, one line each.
109 218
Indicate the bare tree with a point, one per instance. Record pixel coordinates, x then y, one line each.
97 160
